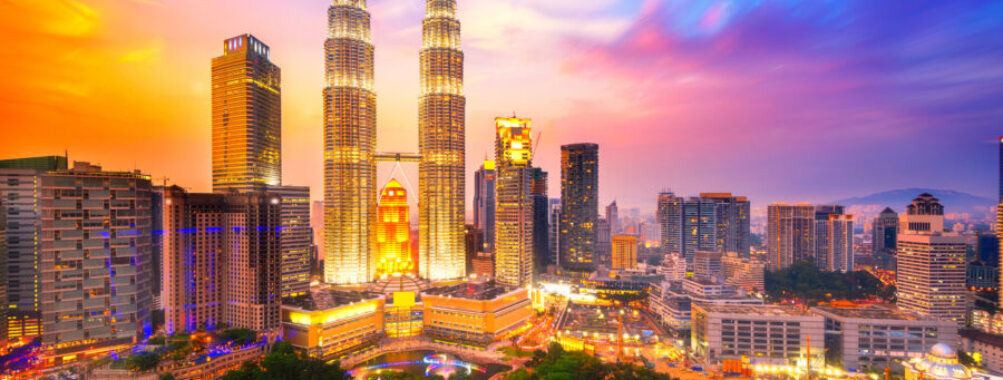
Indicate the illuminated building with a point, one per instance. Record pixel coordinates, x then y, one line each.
941 363
3 273
296 238
96 260
924 215
931 275
790 234
823 228
483 265
875 337
554 233
764 334
839 243
670 215
985 348
328 324
403 315
21 186
541 220
513 208
732 219
393 233
613 217
710 222
624 252
484 204
349 144
441 140
603 243
579 206
744 273
221 260
246 117
475 314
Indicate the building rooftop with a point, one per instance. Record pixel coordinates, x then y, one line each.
470 290
321 298
872 312
756 310
982 336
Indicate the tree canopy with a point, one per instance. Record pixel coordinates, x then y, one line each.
283 363
803 280
559 364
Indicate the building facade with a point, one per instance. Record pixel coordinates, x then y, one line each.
670 215
296 239
484 204
733 227
475 314
541 220
513 207
603 243
624 252
747 274
885 229
579 206
790 234
613 217
931 275
764 334
349 144
393 233
246 117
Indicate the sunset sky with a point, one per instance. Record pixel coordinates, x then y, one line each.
777 100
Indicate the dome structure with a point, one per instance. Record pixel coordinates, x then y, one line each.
941 363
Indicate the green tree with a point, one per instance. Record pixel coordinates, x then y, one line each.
284 363
142 362
239 336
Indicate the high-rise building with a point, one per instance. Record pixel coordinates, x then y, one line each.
885 229
624 252
930 276
555 231
221 260
296 239
613 217
246 117
743 272
349 144
21 188
3 272
393 233
699 226
541 220
833 238
513 209
604 241
441 140
790 234
579 206
317 225
484 204
670 218
733 227
95 260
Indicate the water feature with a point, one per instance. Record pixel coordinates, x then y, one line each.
426 363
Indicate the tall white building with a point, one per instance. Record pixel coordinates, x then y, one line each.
931 263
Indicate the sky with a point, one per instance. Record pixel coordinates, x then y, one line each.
775 100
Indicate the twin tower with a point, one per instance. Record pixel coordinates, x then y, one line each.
350 156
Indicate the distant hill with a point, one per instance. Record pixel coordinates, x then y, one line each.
954 201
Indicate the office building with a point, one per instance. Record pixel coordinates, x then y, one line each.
613 218
885 229
762 334
743 273
931 263
393 233
253 264
790 234
513 208
441 128
95 261
579 206
3 272
670 218
707 266
603 242
624 252
732 222
541 220
822 213
554 235
296 239
874 337
475 314
838 249
349 144
327 324
246 117
21 189
484 204
699 226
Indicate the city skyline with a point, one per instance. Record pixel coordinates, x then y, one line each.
130 46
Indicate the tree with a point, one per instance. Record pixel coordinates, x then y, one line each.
142 362
239 336
284 363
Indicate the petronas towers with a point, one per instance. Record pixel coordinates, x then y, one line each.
350 143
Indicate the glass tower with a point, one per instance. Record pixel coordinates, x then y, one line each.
579 206
349 143
514 209
441 120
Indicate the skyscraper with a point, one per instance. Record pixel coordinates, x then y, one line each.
554 235
603 243
839 238
246 117
885 230
613 217
822 224
349 144
514 209
790 234
541 220
733 227
670 219
96 226
3 271
296 239
931 263
711 222
624 252
393 233
699 226
484 204
441 139
579 206
21 186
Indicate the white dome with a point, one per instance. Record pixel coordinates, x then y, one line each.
942 350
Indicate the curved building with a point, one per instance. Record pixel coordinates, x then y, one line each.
349 143
441 140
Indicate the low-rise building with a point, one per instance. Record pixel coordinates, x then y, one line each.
764 334
744 273
328 324
985 348
474 314
877 337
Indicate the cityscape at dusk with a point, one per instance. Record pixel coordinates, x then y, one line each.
501 189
